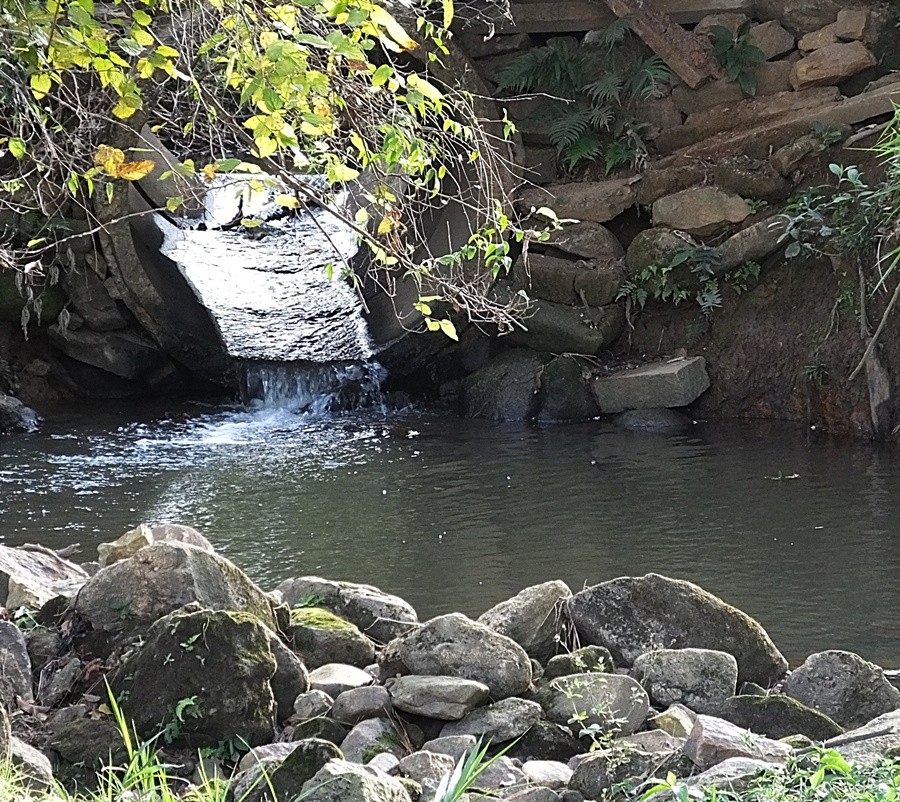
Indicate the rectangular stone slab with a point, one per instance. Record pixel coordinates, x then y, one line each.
661 384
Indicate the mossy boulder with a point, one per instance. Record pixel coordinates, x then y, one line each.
201 677
778 716
125 598
283 779
322 727
321 637
340 781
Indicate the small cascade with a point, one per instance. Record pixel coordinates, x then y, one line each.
314 389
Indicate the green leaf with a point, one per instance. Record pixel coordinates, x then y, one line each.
251 222
16 147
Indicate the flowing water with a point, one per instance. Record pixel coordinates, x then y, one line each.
799 530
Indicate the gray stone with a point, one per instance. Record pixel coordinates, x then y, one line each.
566 396
321 637
57 682
220 661
735 774
506 389
500 774
751 178
730 21
772 39
872 742
850 690
77 738
179 533
125 598
454 645
15 416
34 765
586 240
30 578
123 353
562 329
713 740
633 615
675 383
675 720
454 745
358 704
597 773
532 618
752 244
379 615
580 661
615 703
497 723
778 716
266 752
772 77
335 678
701 679
92 301
125 546
546 741
322 727
831 65
290 680
442 698
386 762
15 666
370 737
427 768
559 280
538 794
548 773
595 201
653 741
283 770
700 210
799 16
312 704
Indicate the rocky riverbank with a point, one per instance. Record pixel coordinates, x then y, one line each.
338 687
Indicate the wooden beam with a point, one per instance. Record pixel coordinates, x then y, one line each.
566 17
688 55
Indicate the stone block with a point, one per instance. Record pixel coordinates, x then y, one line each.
852 24
700 210
772 38
662 384
818 39
599 201
831 65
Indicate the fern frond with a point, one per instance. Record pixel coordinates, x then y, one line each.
648 78
602 117
606 89
556 68
569 128
585 148
613 34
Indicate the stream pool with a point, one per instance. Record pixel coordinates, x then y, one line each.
799 530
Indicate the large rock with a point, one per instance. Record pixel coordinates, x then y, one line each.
379 615
15 416
751 244
580 661
672 384
546 741
454 645
799 16
201 677
831 65
872 742
700 210
427 768
92 301
772 38
290 680
358 704
633 615
654 247
615 703
713 740
506 389
321 637
15 666
124 546
778 716
533 618
552 278
122 353
34 766
499 722
340 781
31 578
562 329
335 678
130 595
79 739
441 698
597 774
751 178
283 778
596 201
701 679
734 775
565 393
850 690
370 737
586 240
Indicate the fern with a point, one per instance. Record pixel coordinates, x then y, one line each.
648 78
607 89
612 35
569 128
586 148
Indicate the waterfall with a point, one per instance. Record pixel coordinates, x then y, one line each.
313 389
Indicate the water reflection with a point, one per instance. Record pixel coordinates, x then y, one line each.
460 514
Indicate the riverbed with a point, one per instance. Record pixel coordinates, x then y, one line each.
797 529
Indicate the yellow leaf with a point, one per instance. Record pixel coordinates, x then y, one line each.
448 12
135 171
394 29
123 110
433 325
142 36
40 85
209 171
109 159
385 226
449 329
288 201
429 90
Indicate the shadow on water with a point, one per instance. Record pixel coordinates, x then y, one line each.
798 530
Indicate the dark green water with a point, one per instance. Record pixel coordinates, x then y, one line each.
457 515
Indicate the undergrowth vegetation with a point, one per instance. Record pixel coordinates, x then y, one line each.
593 91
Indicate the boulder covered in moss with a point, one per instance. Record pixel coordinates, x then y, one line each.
778 716
283 778
321 637
125 598
340 781
201 677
